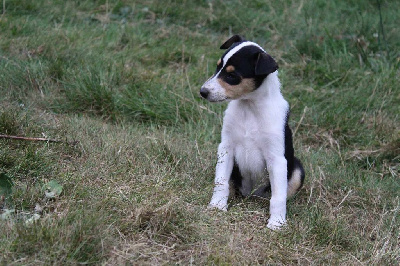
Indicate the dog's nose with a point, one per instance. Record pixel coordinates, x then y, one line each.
204 93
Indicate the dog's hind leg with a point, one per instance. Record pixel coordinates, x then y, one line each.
296 178
295 173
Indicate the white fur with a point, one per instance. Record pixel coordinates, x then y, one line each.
216 92
253 134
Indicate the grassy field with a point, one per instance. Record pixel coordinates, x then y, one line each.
117 82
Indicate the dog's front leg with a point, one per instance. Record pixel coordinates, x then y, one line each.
223 172
277 168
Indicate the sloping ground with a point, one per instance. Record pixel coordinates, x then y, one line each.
117 84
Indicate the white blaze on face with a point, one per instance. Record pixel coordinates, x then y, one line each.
237 48
216 92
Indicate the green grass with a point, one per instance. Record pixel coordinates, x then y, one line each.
122 79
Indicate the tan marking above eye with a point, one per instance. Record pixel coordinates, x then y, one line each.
219 62
230 68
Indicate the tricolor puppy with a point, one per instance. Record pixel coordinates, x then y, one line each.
256 151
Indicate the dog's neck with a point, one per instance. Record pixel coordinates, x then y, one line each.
269 89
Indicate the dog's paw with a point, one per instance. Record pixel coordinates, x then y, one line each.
217 206
276 223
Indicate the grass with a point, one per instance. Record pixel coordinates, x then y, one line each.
122 79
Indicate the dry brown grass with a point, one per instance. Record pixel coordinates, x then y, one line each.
122 79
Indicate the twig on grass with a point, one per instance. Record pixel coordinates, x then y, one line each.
38 139
190 101
345 197
301 120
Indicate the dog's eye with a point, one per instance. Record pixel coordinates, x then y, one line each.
231 75
232 78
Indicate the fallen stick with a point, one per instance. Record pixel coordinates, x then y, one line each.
301 120
37 139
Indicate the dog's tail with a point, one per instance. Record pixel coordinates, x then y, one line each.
296 179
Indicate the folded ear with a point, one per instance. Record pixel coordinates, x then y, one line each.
265 64
232 40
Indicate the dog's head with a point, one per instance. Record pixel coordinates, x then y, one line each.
240 71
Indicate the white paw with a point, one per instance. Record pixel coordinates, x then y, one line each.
276 223
212 206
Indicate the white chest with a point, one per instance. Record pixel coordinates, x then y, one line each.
251 130
245 134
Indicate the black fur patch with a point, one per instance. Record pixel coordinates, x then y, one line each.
289 151
292 162
236 178
232 40
249 62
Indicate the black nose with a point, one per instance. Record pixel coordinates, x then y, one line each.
204 93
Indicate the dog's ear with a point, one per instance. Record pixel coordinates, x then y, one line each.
232 40
265 64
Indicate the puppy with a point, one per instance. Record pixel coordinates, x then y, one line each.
256 151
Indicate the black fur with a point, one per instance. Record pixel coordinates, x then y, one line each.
292 162
265 65
236 178
289 151
232 40
249 62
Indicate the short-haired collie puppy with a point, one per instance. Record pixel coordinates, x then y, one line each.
256 153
